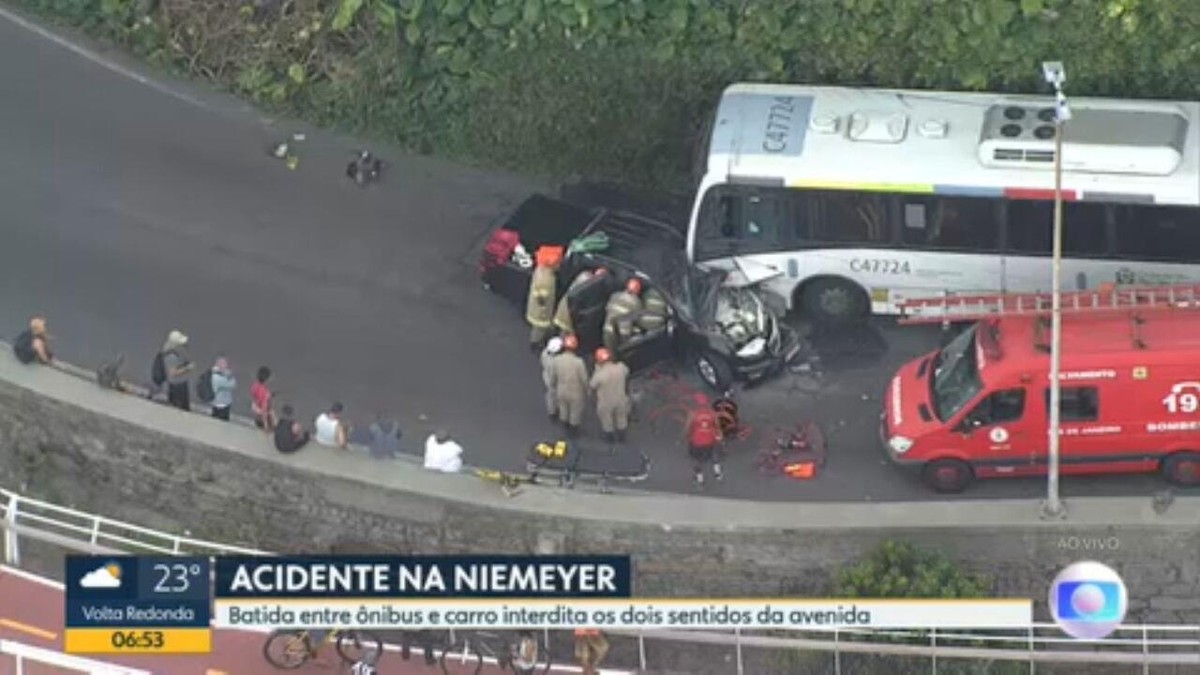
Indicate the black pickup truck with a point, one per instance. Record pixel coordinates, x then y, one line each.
726 332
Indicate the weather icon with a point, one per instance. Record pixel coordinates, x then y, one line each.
107 575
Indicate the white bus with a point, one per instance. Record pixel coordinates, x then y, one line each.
847 201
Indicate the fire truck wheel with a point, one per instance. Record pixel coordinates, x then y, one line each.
1183 468
947 475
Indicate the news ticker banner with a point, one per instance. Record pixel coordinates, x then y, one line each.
168 605
432 592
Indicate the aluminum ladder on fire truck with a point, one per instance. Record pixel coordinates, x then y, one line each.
1106 299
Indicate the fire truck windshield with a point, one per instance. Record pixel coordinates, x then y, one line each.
955 380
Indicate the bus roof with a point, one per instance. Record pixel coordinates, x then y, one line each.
1101 342
972 144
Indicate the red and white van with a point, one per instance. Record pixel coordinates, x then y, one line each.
978 407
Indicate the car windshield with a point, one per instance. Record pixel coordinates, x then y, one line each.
955 379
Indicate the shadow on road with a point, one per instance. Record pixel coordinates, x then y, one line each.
853 347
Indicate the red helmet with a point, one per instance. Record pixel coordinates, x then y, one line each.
570 343
603 355
634 286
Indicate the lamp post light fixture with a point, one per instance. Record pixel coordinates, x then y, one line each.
1056 75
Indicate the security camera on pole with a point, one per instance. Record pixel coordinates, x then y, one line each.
1056 75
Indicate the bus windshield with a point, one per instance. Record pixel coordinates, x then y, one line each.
955 380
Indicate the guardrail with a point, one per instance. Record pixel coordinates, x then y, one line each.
1144 645
23 653
67 527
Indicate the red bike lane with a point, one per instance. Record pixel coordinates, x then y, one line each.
31 613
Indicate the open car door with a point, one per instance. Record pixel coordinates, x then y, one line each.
587 302
648 349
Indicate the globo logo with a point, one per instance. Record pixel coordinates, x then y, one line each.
1088 600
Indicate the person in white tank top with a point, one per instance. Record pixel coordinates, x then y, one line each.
330 429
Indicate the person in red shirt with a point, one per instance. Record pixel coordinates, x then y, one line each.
261 400
704 439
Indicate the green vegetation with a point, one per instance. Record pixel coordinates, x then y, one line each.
901 570
618 89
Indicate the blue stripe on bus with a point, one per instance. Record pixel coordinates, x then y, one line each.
968 191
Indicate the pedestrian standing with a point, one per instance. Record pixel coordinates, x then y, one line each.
223 386
172 367
289 435
704 440
539 307
553 348
33 344
571 385
262 400
609 383
331 428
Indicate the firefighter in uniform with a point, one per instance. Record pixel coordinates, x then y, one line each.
654 314
562 315
571 385
539 309
620 314
553 347
612 400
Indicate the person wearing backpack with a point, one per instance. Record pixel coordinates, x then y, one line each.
33 344
219 390
171 367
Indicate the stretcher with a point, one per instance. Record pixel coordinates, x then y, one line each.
594 462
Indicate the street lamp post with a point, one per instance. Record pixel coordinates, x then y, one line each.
1053 507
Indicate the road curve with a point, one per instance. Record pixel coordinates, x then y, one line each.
126 212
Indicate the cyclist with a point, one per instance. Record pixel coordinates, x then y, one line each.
525 656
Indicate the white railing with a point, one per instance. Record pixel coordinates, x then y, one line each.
23 653
1144 645
22 516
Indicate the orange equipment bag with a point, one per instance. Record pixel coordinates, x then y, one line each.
549 256
801 470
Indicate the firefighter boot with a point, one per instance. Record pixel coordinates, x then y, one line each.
620 435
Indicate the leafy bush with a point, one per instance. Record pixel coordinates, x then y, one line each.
901 570
617 88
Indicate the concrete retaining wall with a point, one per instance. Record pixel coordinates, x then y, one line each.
63 439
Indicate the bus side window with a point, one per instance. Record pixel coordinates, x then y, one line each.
954 223
1085 229
1170 233
851 217
1030 226
1077 404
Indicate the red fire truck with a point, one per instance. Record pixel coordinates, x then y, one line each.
978 407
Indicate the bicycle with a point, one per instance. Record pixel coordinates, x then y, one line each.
491 646
291 649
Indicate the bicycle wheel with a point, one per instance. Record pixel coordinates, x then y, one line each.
287 649
353 645
457 659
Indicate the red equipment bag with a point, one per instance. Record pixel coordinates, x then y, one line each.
498 250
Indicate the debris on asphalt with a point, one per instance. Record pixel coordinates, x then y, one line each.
1163 500
365 168
286 151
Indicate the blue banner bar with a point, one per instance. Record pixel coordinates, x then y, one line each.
424 577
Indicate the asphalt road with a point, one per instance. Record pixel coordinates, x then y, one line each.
126 212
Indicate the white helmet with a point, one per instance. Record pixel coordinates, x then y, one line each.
554 346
